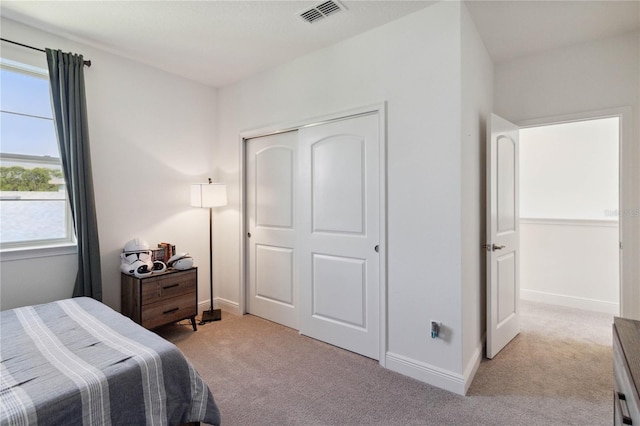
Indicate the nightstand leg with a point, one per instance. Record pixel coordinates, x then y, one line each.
193 323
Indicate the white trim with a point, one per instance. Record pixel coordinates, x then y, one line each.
427 373
570 301
203 306
382 126
569 118
312 121
8 255
24 68
242 293
226 305
473 365
605 223
219 303
377 108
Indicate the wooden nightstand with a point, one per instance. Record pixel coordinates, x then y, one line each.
162 298
626 371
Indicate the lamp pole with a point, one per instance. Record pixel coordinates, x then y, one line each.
211 314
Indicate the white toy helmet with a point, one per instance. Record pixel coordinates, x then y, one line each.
136 245
181 261
136 259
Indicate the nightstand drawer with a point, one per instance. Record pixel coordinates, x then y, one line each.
170 310
160 298
165 287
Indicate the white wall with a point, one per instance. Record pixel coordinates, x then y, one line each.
570 263
34 281
414 65
580 79
477 105
151 136
570 170
156 128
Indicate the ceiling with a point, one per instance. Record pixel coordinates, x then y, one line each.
218 42
512 29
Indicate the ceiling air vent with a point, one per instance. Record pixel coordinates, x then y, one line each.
320 11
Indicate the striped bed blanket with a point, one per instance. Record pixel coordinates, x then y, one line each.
78 362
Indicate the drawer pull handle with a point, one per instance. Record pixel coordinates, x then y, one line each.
170 311
170 286
624 409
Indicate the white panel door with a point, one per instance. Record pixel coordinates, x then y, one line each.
503 230
271 164
339 228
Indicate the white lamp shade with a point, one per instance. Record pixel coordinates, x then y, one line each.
208 194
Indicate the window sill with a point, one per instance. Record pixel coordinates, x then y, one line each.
36 252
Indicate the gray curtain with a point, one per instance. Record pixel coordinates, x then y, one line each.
66 73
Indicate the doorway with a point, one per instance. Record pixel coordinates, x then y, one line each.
569 204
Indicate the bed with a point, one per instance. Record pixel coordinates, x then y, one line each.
78 362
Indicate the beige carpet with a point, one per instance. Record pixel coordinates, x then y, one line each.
558 371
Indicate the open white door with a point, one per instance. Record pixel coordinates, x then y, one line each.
503 239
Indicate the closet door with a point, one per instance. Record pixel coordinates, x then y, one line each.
271 169
338 233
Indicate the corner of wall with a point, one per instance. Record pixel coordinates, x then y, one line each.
476 106
473 364
435 376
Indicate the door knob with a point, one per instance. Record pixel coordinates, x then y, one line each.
495 247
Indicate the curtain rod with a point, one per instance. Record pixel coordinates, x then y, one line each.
86 63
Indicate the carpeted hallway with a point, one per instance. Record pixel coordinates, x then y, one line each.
558 371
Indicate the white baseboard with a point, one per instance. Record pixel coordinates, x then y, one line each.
426 373
219 303
570 301
203 306
472 367
227 305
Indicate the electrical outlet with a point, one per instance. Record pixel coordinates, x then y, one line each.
435 328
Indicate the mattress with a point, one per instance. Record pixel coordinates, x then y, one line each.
78 362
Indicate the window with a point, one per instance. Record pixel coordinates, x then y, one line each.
34 210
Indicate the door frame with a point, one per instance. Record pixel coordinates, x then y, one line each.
381 110
629 291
